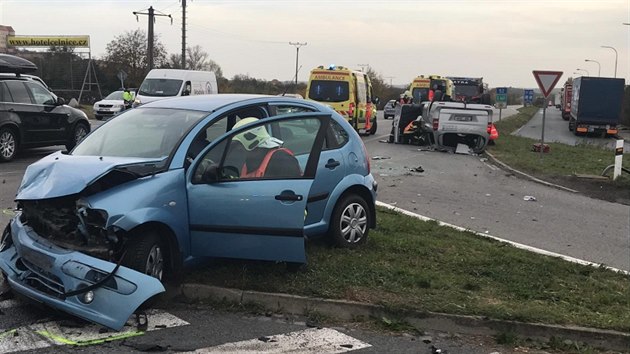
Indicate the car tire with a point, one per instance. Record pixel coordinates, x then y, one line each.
8 144
373 128
350 222
145 254
80 131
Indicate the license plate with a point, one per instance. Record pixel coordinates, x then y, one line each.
463 118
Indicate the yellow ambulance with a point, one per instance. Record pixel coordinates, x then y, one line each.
423 88
349 92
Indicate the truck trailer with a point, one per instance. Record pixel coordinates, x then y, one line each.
596 105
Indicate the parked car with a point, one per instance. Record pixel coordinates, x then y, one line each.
390 109
111 105
32 116
176 180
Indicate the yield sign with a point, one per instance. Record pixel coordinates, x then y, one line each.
546 80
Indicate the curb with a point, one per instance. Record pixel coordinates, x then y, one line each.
530 177
350 310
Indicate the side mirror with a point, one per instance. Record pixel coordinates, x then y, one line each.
61 101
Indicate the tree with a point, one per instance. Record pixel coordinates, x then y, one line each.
380 89
128 52
196 59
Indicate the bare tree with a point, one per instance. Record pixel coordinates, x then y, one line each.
196 59
129 52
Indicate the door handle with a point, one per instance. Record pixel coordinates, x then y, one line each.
332 164
289 196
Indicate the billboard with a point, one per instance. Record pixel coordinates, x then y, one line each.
48 41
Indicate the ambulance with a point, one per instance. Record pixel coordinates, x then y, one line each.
349 92
422 88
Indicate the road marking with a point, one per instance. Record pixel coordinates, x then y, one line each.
311 340
515 244
42 335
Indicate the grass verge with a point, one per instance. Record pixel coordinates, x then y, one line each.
562 160
411 264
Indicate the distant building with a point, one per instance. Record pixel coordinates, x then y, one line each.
4 32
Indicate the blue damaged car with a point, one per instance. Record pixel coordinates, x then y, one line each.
98 229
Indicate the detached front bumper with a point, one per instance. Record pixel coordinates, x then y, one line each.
46 273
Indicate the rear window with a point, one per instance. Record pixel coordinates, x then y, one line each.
329 91
18 91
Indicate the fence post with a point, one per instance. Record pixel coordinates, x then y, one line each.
618 159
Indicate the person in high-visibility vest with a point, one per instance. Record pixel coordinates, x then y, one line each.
127 98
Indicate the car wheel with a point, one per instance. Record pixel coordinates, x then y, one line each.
350 222
373 128
145 254
8 144
80 131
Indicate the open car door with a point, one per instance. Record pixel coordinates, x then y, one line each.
239 210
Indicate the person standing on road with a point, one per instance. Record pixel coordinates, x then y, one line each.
127 98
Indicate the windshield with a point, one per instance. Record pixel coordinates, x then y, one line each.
420 94
115 96
141 132
329 91
160 87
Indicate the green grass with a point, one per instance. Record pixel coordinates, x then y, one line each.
410 264
562 160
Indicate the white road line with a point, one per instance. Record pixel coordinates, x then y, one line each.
312 340
42 335
515 244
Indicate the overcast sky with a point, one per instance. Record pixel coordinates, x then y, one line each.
502 41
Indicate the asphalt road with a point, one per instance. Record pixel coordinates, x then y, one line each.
470 192
557 130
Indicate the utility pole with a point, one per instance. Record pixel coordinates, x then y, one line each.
184 34
297 58
152 15
363 66
390 79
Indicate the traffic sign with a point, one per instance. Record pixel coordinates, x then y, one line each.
121 75
502 90
528 96
501 97
546 80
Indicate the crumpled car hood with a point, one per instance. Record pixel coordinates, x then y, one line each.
58 175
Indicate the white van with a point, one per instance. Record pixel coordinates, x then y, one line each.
164 83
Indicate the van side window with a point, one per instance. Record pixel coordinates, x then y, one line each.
187 89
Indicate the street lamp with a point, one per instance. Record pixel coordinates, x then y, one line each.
599 71
297 57
587 74
607 46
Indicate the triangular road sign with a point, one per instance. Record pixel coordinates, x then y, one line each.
546 80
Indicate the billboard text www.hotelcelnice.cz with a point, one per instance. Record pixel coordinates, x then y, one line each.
47 41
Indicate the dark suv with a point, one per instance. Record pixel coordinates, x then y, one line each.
32 116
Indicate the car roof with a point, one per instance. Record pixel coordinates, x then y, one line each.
212 102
